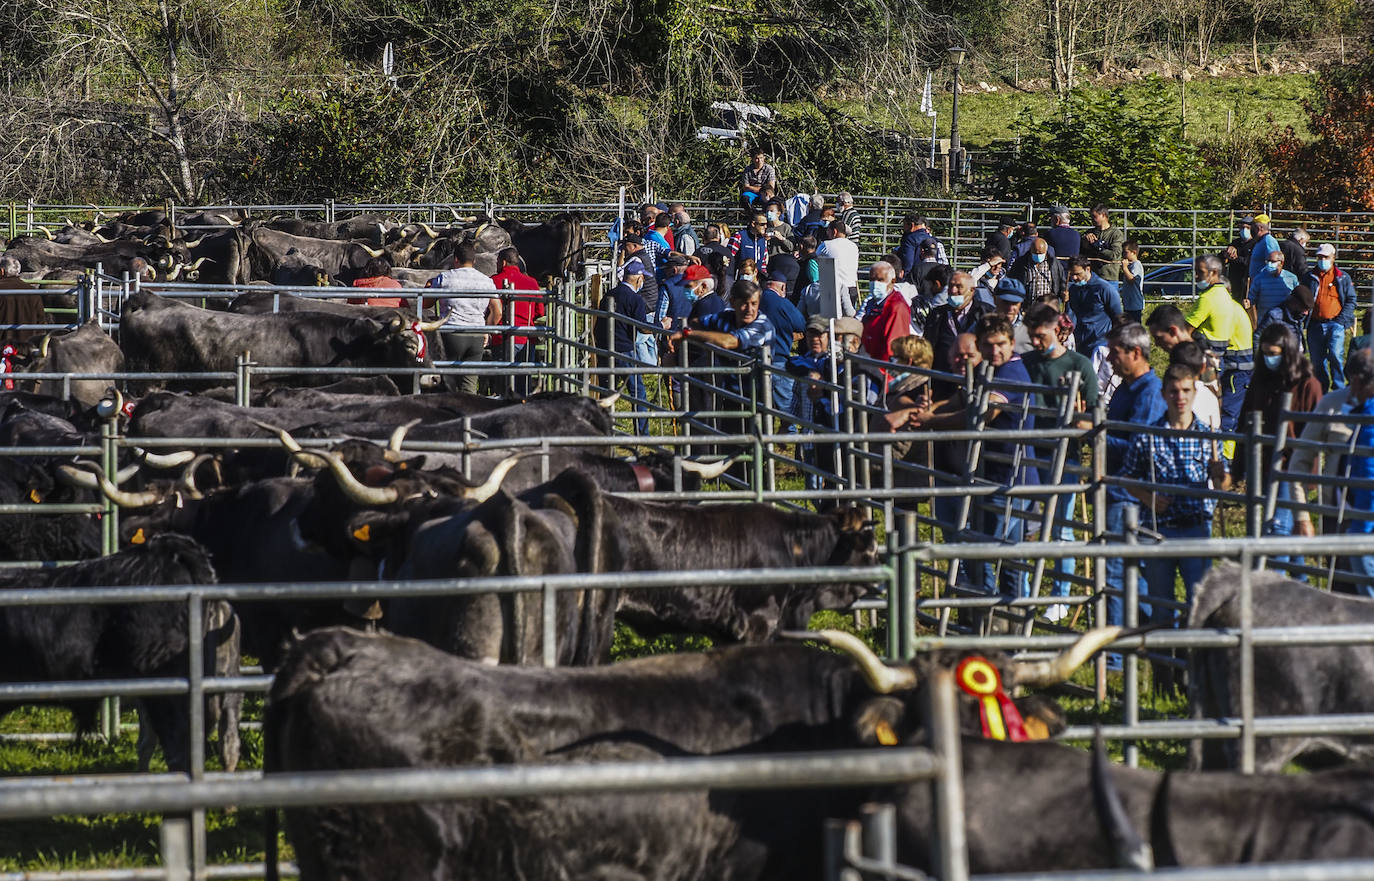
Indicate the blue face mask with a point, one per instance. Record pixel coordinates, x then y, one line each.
1038 258
956 300
1203 285
877 289
772 215
1275 268
1271 362
1079 282
1245 233
1324 264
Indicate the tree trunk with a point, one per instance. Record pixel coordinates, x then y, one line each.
1254 45
176 134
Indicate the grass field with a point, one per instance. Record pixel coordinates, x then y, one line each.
1257 104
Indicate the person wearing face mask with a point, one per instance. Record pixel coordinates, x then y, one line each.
1265 244
1096 305
1292 312
1042 275
1354 574
1272 286
625 301
1229 334
1238 257
1048 363
1281 370
892 319
959 315
778 231
1333 316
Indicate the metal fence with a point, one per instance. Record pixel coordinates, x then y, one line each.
726 407
1165 235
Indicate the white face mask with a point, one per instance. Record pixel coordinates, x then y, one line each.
877 289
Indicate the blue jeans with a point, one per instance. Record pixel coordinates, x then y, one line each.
1001 522
1326 347
1116 566
1233 386
1282 524
783 388
1160 572
1355 575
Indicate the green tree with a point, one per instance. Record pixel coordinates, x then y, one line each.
1100 147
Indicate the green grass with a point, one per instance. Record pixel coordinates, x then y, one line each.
1258 104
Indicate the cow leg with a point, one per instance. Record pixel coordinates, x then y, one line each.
223 711
147 740
166 717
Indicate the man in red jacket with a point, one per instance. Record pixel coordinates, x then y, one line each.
893 320
525 311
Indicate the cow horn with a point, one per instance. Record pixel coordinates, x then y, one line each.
431 326
310 459
47 232
175 273
399 435
78 477
199 261
430 246
102 238
113 493
126 472
608 402
879 676
196 244
707 471
165 460
227 219
372 252
356 489
188 477
429 230
1061 667
492 484
43 345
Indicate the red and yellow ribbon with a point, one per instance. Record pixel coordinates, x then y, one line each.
1001 720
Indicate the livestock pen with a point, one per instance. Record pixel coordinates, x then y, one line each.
920 577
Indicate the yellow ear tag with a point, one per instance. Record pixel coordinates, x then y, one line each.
34 496
363 533
1037 729
886 736
138 537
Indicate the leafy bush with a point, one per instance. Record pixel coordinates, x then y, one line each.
1102 147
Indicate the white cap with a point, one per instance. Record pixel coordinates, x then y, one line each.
1326 251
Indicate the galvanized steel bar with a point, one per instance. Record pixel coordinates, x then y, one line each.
795 771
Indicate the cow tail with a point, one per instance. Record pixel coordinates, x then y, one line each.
270 822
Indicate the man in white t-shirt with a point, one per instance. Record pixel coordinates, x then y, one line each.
464 312
1207 406
845 253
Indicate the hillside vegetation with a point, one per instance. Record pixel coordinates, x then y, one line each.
288 100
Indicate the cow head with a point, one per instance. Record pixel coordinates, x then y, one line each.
985 681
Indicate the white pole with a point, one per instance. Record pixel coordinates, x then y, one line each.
932 139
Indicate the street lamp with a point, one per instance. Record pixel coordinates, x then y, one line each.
956 57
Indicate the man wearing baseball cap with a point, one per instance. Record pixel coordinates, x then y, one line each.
1333 315
1265 244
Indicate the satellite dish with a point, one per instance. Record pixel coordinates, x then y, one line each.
388 59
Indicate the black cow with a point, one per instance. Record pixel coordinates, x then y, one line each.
268 249
158 334
102 641
218 258
554 415
88 349
338 695
372 227
1289 681
552 249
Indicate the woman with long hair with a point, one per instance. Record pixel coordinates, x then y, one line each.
1280 369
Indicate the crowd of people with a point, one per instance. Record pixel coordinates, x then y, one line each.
1048 311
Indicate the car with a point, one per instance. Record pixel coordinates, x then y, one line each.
734 119
1173 281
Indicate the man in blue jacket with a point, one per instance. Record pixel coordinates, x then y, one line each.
788 324
1333 315
1095 303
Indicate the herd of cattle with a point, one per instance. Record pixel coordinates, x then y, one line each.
443 681
226 247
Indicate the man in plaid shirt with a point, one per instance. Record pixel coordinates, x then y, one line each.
1190 461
